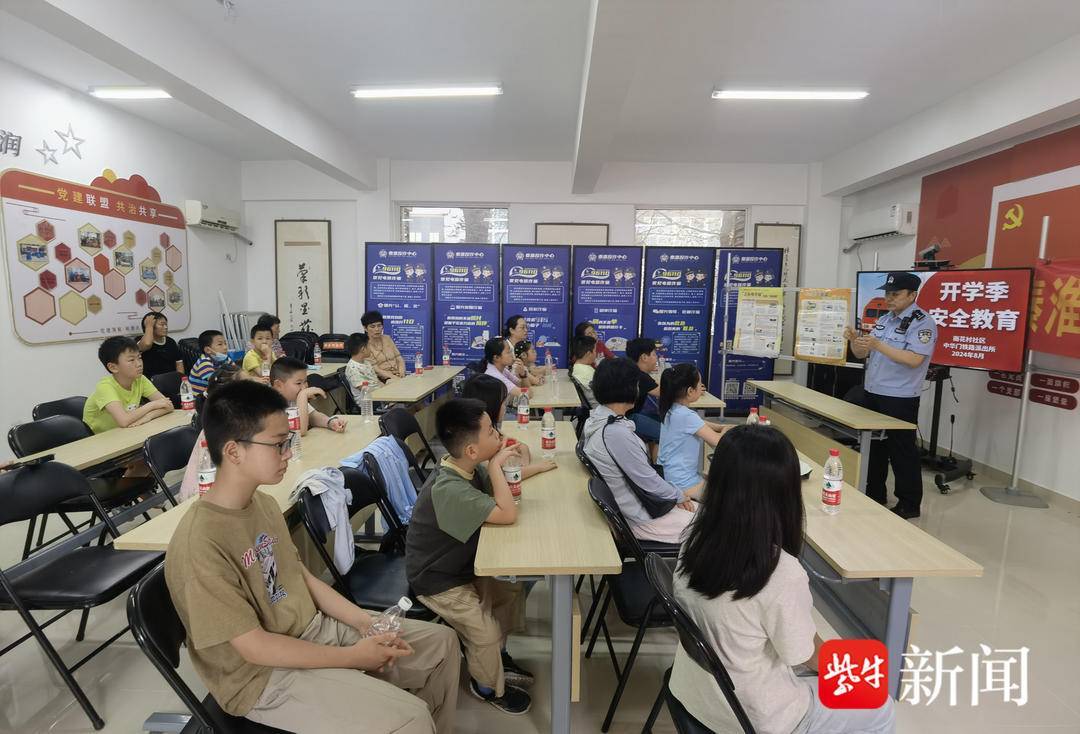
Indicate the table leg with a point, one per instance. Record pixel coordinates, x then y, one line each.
896 629
864 459
562 594
701 445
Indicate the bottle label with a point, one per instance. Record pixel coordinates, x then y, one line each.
446 360
318 358
547 439
187 404
523 414
206 481
294 419
513 478
830 493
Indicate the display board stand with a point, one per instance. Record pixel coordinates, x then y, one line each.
1011 495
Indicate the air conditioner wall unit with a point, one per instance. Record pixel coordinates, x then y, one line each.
200 214
897 220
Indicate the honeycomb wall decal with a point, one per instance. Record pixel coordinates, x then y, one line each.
72 307
39 305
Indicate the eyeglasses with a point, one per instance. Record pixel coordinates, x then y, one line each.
281 447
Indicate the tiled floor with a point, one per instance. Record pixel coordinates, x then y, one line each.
1029 596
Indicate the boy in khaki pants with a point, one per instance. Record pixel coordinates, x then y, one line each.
441 550
270 641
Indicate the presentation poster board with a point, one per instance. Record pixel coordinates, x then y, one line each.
743 267
678 301
86 262
981 315
821 318
607 287
466 300
303 264
536 284
399 286
759 322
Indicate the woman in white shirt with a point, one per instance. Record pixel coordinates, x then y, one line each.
740 579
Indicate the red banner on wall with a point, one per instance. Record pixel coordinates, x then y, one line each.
1055 309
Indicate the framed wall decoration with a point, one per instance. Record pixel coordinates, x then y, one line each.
302 264
571 233
786 237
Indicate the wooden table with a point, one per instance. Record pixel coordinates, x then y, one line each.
848 418
862 564
115 445
414 388
559 533
543 396
321 447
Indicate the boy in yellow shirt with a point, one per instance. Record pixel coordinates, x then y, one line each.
261 352
117 401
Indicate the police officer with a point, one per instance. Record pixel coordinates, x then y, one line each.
897 352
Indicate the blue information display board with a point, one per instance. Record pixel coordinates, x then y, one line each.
398 285
678 299
536 284
466 300
607 287
748 267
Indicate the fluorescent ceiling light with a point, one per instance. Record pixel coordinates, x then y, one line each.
796 94
471 90
129 93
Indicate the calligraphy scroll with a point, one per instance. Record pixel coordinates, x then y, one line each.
304 296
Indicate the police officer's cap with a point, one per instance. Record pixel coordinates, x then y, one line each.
900 280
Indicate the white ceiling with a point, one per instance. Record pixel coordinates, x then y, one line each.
910 55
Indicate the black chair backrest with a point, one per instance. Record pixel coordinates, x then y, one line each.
581 393
168 384
47 433
327 385
308 336
189 351
691 638
579 449
157 629
399 423
350 402
30 491
627 544
169 451
72 406
364 493
328 343
297 349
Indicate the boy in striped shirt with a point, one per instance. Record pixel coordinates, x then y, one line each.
215 352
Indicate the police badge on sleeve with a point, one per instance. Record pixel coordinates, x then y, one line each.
924 335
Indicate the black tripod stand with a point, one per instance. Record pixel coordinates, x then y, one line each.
949 468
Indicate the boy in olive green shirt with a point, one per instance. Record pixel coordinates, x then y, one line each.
441 549
272 642
117 401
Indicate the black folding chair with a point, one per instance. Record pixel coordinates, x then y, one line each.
581 413
72 406
157 629
635 601
659 573
63 580
397 530
331 352
189 352
351 406
400 423
327 385
297 349
112 488
168 384
169 451
376 579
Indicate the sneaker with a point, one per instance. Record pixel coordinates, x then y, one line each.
514 674
514 701
905 511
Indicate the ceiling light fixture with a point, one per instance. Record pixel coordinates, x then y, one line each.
789 94
129 93
465 90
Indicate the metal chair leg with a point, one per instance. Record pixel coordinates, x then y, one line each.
29 538
596 598
655 710
627 667
596 631
82 625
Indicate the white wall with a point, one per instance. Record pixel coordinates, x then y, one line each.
985 428
178 168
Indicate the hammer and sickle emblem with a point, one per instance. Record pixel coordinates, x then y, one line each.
1014 217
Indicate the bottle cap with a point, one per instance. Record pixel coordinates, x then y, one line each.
834 452
405 603
547 408
524 391
511 442
202 444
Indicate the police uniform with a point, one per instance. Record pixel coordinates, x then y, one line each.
893 389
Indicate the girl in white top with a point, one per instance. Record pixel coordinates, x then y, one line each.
498 357
740 579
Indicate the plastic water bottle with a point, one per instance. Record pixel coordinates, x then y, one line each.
752 417
293 413
264 369
832 483
418 363
661 364
763 421
390 620
207 470
512 473
523 409
547 434
445 355
549 362
366 411
187 395
317 354
459 380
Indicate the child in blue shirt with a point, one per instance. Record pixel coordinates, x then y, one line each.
215 353
681 429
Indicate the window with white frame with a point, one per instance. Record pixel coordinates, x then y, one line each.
690 227
455 224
